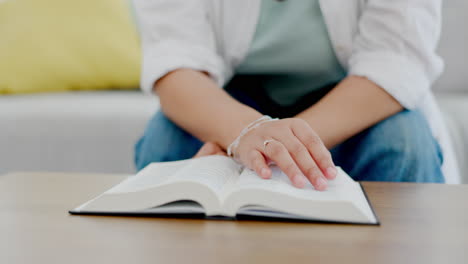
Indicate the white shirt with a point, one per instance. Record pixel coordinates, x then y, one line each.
391 43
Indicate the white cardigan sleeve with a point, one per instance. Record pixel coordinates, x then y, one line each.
175 34
395 47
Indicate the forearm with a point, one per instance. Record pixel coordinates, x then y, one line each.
194 102
352 106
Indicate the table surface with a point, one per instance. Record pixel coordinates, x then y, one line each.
420 223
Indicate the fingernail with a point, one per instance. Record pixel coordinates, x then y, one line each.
321 184
300 180
264 173
331 172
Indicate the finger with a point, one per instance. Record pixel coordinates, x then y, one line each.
276 151
207 149
316 148
221 153
304 161
258 163
218 150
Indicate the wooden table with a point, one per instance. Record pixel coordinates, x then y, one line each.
421 223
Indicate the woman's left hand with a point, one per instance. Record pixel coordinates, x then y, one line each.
209 149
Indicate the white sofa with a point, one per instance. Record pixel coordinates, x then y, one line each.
96 131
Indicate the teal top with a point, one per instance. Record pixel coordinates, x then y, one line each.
292 51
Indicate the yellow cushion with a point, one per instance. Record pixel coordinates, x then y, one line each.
59 45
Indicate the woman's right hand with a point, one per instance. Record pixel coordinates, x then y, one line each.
293 146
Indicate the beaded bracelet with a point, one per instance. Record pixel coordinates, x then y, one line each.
248 128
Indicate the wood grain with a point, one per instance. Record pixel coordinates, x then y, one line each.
421 223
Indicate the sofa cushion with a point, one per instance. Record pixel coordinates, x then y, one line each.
455 110
75 131
58 45
452 47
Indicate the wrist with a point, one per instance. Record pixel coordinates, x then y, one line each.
232 148
236 125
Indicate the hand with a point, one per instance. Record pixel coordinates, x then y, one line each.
208 149
293 146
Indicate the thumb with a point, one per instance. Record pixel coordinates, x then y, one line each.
209 148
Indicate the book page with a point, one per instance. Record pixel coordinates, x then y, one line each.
342 201
155 174
212 171
197 180
280 183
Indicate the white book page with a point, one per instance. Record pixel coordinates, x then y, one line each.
178 207
280 183
155 174
214 172
199 180
211 171
277 196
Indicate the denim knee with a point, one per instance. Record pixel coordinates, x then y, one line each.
408 145
400 148
164 141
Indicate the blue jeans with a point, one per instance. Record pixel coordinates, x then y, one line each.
400 148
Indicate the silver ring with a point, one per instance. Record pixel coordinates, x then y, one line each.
266 142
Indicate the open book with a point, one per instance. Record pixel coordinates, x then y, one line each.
218 186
